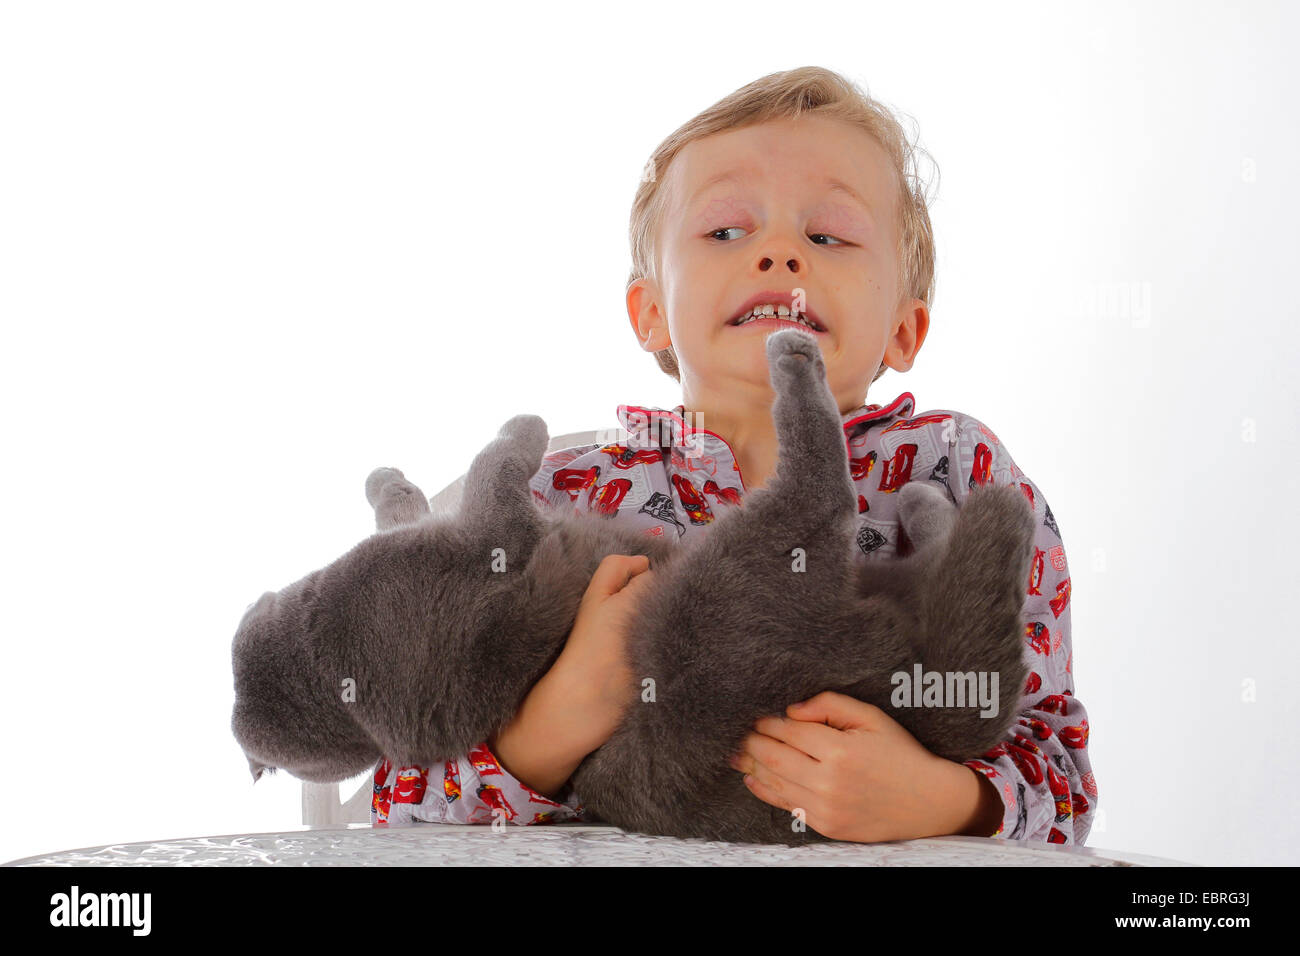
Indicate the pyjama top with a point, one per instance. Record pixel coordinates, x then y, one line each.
669 478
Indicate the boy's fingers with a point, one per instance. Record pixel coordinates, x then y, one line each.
615 571
636 565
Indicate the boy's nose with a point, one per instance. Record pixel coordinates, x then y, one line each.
791 264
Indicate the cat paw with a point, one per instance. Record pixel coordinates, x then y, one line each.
528 437
918 495
925 513
388 483
790 352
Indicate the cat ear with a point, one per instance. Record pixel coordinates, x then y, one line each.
256 769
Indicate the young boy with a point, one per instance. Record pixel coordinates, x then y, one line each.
795 196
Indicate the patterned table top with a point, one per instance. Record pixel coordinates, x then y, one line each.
433 844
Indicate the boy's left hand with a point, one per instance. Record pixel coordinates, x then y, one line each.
857 773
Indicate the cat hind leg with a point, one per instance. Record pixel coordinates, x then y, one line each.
497 497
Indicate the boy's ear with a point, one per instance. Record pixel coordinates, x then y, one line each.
648 321
911 325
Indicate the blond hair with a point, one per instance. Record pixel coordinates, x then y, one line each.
816 91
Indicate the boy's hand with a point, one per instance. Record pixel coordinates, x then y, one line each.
579 702
859 775
593 665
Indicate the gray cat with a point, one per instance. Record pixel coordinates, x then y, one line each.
443 647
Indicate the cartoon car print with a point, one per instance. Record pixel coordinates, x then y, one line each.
537 797
1028 491
574 480
981 472
1026 744
860 468
451 781
697 509
1026 762
481 760
1089 784
621 456
1032 683
410 784
920 421
1053 704
898 470
1076 737
1060 794
993 753
605 499
381 797
730 495
1057 604
1039 638
1037 727
494 798
1036 571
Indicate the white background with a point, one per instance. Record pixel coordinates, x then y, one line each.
230 234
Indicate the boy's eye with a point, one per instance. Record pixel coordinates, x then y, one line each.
715 232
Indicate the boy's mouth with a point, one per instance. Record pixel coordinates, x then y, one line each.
777 320
774 308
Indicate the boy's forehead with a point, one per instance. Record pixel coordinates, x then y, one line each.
822 156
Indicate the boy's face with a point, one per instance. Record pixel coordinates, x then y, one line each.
778 227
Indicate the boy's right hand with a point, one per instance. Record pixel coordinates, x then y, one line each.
580 701
593 663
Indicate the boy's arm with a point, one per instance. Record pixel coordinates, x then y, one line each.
473 788
548 738
1042 770
517 776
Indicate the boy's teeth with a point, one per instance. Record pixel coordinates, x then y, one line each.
767 311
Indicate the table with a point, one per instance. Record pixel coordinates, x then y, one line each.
437 844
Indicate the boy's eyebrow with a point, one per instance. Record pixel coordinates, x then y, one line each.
744 176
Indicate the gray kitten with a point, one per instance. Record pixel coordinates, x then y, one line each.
443 646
